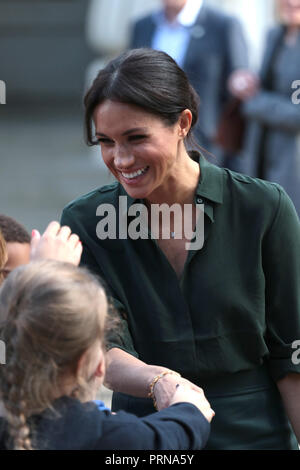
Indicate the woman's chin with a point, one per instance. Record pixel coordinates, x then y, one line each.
136 193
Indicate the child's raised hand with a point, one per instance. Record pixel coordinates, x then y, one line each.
57 243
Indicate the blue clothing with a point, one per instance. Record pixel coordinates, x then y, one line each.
101 405
82 426
174 37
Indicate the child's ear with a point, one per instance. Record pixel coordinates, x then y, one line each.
100 371
89 367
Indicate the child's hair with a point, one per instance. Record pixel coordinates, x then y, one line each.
13 231
2 255
50 314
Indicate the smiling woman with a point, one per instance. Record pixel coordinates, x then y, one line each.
141 122
216 314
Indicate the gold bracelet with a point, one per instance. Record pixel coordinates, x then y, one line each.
156 379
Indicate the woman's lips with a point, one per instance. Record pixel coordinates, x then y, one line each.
134 176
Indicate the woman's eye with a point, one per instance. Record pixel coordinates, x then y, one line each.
137 137
103 140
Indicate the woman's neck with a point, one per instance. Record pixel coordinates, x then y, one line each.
181 185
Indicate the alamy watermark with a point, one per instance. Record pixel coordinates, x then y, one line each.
2 92
2 352
296 94
296 354
137 221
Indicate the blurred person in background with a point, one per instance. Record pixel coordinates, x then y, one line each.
57 243
3 256
17 243
209 46
272 142
18 248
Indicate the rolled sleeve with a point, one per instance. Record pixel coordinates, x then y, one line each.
281 264
120 336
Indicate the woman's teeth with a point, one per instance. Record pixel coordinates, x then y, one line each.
135 174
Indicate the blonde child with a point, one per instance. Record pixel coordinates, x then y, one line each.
53 317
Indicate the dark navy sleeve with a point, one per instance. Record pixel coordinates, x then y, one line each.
82 426
179 427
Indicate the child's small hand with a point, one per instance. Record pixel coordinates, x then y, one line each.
197 398
56 243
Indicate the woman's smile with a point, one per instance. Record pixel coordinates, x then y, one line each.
134 177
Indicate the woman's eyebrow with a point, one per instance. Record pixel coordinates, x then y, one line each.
128 132
100 135
135 129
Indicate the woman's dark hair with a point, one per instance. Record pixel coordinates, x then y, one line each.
146 78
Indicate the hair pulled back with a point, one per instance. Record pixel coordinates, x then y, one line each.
50 314
146 78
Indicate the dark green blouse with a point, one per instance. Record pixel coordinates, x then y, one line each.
237 304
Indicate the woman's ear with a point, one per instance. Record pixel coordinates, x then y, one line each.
185 122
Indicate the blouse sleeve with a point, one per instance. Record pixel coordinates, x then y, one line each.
281 264
118 336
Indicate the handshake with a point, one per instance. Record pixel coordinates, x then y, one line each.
60 244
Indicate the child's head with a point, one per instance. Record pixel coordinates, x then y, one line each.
52 320
17 243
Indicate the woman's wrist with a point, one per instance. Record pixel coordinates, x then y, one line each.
155 380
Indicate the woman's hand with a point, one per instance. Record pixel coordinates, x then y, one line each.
56 243
196 398
171 389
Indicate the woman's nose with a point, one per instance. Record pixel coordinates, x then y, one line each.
123 158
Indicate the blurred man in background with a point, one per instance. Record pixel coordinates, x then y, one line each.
209 46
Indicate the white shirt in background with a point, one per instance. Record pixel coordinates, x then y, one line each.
173 38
